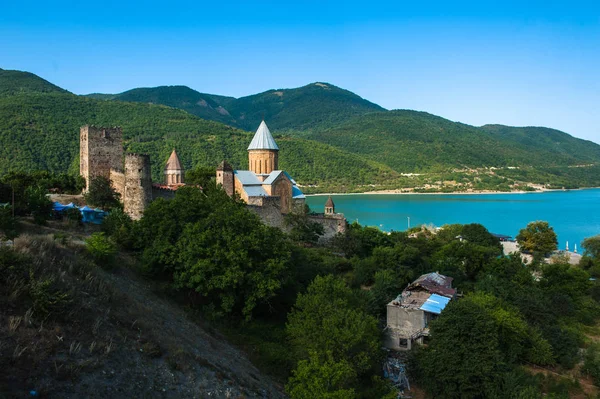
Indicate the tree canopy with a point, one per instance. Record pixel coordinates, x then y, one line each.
538 237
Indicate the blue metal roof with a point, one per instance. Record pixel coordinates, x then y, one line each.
296 193
435 304
273 176
247 178
263 140
255 191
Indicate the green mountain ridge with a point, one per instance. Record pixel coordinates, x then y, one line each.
12 82
329 137
316 104
41 131
418 141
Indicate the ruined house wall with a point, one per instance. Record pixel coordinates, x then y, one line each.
138 185
117 181
100 150
402 323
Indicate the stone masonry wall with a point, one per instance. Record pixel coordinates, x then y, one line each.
138 185
332 224
162 193
262 161
100 150
117 180
225 178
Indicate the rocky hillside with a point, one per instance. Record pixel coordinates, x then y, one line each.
73 330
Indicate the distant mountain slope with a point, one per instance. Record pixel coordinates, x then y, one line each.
12 82
553 143
41 131
205 106
317 104
307 107
417 141
333 138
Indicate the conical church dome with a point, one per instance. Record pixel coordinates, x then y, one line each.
263 140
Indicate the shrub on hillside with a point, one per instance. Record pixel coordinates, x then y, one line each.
102 249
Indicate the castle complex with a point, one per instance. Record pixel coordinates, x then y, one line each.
269 192
101 154
264 184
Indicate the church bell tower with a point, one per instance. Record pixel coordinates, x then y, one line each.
263 152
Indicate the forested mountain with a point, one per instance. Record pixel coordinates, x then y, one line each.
554 143
329 137
12 82
417 141
206 106
314 105
41 131
308 107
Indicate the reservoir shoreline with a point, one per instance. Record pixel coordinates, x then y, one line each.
398 192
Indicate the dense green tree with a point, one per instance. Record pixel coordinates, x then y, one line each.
232 259
538 238
474 343
361 241
592 246
102 194
463 260
38 204
454 366
326 319
388 285
119 226
475 233
302 229
321 376
200 176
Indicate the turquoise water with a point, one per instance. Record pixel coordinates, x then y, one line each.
574 215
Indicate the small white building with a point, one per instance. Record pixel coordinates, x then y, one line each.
408 315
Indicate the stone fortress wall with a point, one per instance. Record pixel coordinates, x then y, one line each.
100 150
138 185
101 154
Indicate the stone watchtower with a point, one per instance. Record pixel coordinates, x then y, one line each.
138 185
173 171
329 207
225 178
100 150
263 152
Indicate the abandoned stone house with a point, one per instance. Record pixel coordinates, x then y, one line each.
409 314
101 154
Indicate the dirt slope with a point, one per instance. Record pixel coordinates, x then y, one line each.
112 337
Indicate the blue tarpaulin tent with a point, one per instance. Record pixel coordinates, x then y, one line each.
88 214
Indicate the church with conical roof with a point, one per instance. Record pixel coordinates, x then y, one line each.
263 184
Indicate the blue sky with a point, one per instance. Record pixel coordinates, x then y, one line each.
533 64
